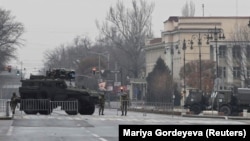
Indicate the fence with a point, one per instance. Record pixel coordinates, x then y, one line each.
65 105
4 107
45 106
143 105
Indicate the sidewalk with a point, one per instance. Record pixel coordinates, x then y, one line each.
217 116
4 117
183 113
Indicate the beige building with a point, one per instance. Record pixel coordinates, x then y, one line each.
178 29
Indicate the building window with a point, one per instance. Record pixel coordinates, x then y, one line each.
248 72
211 52
236 72
236 52
248 52
222 51
222 72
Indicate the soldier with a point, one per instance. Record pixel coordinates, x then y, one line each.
124 103
101 103
13 102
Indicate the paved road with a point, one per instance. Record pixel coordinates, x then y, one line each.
132 117
61 127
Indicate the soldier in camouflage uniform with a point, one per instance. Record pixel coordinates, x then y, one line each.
124 103
13 102
101 103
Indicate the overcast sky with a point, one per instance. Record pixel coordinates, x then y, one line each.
50 23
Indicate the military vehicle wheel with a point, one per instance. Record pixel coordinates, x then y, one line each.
71 111
28 109
46 107
226 110
45 112
91 109
86 108
196 109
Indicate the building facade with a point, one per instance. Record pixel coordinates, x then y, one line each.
231 54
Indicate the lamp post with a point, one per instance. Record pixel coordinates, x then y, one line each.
184 47
215 34
172 71
199 38
21 70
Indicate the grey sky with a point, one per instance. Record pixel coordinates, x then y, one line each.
50 23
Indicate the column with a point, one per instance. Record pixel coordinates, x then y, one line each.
243 54
229 60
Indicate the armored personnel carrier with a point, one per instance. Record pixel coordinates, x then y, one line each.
57 85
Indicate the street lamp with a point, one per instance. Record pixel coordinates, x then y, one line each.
215 34
184 47
199 38
172 67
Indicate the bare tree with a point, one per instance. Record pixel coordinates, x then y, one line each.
68 56
239 62
126 29
188 10
192 74
10 36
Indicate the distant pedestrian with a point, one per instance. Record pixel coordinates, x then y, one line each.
124 103
101 103
13 102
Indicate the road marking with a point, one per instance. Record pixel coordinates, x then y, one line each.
9 133
100 138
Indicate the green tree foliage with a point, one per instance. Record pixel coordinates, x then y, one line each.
159 83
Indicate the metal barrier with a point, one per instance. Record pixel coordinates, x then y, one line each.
144 105
152 106
4 107
45 106
65 105
149 107
34 105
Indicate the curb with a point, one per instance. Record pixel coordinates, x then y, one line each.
193 116
6 118
220 117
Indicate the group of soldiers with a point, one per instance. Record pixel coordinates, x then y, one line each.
124 101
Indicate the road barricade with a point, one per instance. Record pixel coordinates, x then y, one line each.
45 106
4 107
